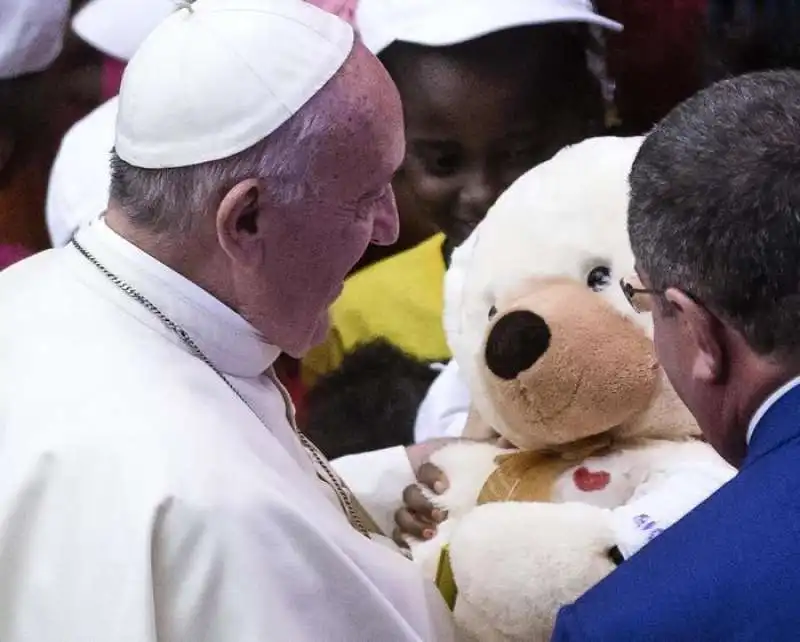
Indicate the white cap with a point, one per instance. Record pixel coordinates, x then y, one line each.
80 177
220 75
118 27
439 23
31 35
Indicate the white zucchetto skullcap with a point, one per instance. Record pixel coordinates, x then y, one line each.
217 76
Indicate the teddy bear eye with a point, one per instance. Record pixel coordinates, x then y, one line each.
599 278
492 312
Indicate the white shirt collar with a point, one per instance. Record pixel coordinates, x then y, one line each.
789 385
227 339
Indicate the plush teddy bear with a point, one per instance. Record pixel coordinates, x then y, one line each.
558 364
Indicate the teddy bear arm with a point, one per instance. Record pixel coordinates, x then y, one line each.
680 478
516 564
467 465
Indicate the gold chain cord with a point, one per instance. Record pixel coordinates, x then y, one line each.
333 480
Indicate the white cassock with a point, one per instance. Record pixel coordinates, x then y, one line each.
142 500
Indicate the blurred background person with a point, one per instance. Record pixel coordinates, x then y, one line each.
743 36
79 180
31 39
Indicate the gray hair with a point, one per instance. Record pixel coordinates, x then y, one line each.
715 206
174 199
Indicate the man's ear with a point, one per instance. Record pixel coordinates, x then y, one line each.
240 222
707 334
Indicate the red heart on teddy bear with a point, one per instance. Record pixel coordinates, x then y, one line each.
588 481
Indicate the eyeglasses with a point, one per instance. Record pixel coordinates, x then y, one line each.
639 298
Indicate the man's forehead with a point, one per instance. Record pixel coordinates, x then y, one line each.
366 136
367 89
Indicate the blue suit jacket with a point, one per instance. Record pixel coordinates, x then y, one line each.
728 571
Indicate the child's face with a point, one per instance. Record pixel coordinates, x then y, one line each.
478 116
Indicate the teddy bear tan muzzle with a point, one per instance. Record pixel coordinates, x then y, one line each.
566 364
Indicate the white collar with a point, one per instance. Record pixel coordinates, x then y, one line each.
789 385
228 340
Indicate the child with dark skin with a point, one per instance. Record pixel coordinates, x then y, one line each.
481 113
466 145
478 115
741 37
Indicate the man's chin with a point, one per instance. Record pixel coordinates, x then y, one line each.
316 337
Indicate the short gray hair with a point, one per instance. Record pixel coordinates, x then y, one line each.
715 206
174 199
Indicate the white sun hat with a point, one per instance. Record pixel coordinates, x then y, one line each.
118 27
439 23
218 76
78 188
31 35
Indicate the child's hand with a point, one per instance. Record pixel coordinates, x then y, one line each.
419 517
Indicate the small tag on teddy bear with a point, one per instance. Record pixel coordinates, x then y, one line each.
445 580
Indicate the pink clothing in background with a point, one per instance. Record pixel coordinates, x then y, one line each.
345 9
111 78
10 254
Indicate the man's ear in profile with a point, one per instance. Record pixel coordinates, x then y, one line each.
706 335
241 223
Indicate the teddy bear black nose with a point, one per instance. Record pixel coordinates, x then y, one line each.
515 343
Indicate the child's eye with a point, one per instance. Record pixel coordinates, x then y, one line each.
438 159
443 165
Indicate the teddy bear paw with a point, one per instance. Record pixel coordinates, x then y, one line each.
516 564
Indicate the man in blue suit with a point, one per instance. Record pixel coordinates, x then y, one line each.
714 222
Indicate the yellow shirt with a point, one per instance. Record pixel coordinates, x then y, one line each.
400 298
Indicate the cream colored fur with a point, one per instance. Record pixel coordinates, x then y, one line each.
558 220
468 465
575 537
516 564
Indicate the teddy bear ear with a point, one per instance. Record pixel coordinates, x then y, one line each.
515 343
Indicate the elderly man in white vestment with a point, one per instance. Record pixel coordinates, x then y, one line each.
152 485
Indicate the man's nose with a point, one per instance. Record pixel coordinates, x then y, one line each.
386 222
